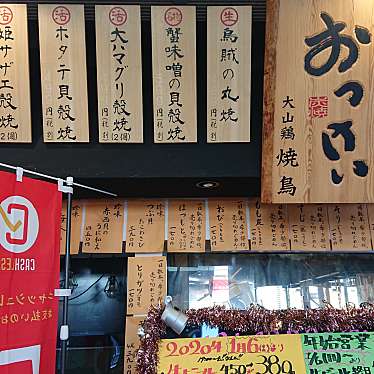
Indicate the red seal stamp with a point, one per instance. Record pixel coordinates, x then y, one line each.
118 16
61 15
229 16
173 16
6 15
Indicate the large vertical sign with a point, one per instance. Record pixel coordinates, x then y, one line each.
119 74
63 73
174 74
318 102
15 117
30 213
229 73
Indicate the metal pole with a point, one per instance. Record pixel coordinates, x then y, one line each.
64 340
57 179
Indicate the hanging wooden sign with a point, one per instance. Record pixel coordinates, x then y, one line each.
349 227
145 226
318 114
308 227
370 209
119 73
76 227
228 225
229 73
132 342
15 116
63 73
103 227
146 283
269 227
186 229
174 74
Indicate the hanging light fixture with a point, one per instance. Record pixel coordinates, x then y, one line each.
112 287
174 318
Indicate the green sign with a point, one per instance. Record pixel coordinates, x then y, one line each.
339 353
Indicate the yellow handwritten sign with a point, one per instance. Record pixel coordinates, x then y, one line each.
232 354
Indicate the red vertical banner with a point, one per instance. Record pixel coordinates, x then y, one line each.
30 213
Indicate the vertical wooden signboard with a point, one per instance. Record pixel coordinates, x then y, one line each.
318 93
174 74
119 73
63 73
228 225
104 225
145 226
76 227
186 229
308 227
15 117
146 283
269 227
349 227
229 73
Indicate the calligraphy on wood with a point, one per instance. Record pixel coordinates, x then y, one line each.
318 116
15 115
119 73
229 34
174 74
63 73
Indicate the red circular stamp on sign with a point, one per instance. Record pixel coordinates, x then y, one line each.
117 16
61 15
173 16
229 16
6 15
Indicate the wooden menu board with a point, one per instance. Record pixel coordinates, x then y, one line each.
318 92
145 226
15 115
228 225
103 227
349 227
269 226
229 33
308 227
63 73
174 74
146 283
119 73
186 229
76 227
132 343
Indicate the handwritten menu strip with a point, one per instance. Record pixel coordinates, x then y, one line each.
228 225
103 227
15 116
76 226
186 226
119 73
349 352
269 226
131 343
229 73
370 210
308 227
174 74
349 227
63 73
145 226
146 283
248 354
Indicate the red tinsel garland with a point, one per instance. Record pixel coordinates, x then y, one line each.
253 321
